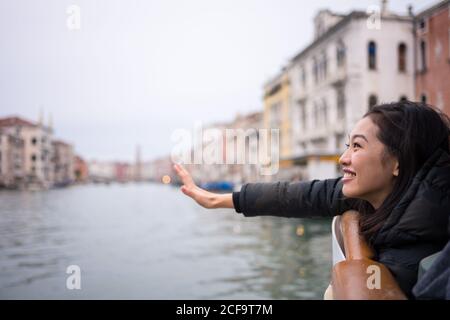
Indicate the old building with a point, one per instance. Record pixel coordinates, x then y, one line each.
278 115
243 146
12 153
37 165
102 171
63 163
432 45
80 170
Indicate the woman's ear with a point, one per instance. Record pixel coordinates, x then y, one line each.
396 169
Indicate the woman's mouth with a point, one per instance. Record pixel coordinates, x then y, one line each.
348 175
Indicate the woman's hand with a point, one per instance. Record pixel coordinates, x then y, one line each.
204 198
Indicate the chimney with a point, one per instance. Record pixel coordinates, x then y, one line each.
41 117
384 5
50 122
410 10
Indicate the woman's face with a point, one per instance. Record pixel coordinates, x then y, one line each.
369 172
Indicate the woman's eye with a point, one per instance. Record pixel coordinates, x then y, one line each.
354 145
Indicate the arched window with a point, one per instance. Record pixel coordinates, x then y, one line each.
340 53
324 112
372 55
340 102
315 70
303 76
423 56
402 57
373 100
422 24
316 114
423 98
324 63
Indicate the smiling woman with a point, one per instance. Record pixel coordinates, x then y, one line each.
396 175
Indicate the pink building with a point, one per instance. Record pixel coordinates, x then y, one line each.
432 28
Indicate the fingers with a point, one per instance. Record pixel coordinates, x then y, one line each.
182 169
179 171
184 175
186 191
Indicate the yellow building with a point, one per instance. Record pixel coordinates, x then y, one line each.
277 115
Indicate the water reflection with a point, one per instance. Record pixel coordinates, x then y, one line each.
150 242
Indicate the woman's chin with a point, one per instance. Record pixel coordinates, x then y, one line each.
348 192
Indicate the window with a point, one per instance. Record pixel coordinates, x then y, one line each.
316 114
33 157
402 57
324 66
340 54
315 70
372 55
302 107
422 24
339 141
320 67
423 98
403 98
275 116
373 100
303 76
324 112
423 55
340 103
303 146
320 113
33 141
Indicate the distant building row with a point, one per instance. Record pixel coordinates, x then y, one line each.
31 157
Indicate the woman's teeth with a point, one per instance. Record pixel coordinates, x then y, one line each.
349 175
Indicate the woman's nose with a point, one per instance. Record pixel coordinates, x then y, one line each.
344 159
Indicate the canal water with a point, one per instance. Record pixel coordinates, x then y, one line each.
149 241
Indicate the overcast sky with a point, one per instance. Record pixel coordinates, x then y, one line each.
137 70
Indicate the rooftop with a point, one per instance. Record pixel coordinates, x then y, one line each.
16 121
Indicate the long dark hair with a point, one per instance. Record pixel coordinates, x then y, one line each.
411 132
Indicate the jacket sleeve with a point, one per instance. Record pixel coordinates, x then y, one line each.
316 198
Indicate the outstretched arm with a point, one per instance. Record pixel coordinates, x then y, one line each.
204 198
283 199
292 199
